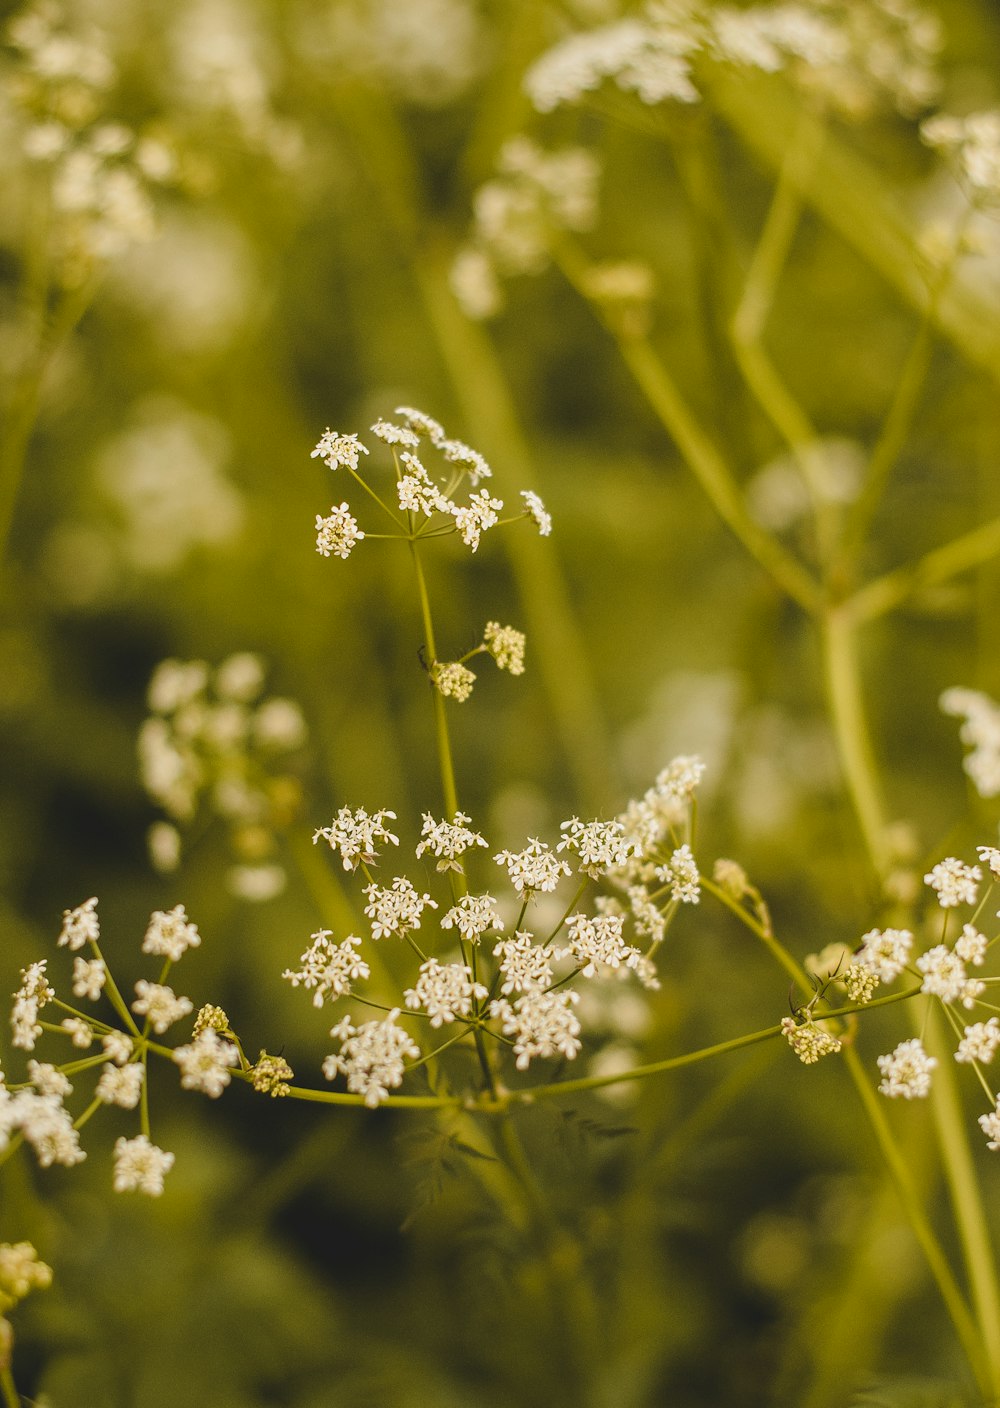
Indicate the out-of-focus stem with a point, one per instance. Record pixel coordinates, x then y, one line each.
702 457
961 1317
966 1198
845 703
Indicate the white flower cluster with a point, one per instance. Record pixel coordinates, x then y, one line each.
396 911
445 991
971 145
211 740
21 1272
907 1071
371 1056
448 840
427 52
850 54
419 494
328 969
99 172
980 731
36 1109
530 980
517 215
355 835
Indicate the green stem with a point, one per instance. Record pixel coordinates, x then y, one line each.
759 371
886 593
966 1198
24 413
777 950
655 1068
445 761
702 457
11 1397
965 1326
846 709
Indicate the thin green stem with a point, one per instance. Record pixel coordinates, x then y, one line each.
845 703
445 761
962 554
778 951
24 413
701 455
966 1197
747 327
957 1307
655 1068
11 1397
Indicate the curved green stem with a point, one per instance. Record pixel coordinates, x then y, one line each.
965 1325
702 457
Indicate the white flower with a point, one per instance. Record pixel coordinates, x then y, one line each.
117 1047
681 874
396 910
954 883
140 1166
163 842
448 840
337 534
391 434
452 679
598 943
240 677
647 917
121 1085
990 1125
170 934
600 845
205 1064
329 968
354 835
886 952
421 423
335 450
506 645
160 1004
944 973
476 517
417 492
47 1080
537 512
473 916
534 868
473 280
445 991
541 1023
990 856
279 724
80 926
906 1071
523 963
809 1041
971 945
979 1042
46 1125
29 999
89 977
371 1056
680 778
81 1032
469 460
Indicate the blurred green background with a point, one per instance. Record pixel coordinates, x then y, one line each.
728 1237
